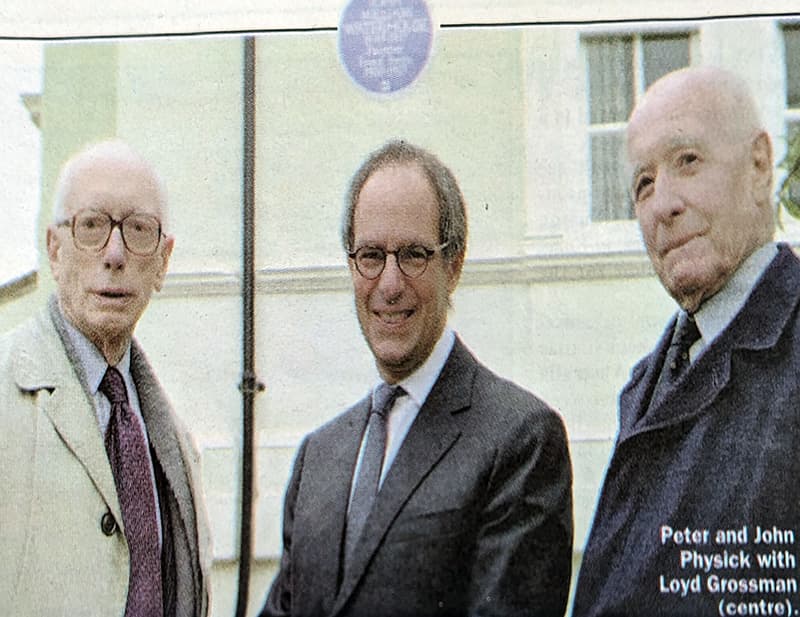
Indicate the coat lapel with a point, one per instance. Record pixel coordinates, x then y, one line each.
432 434
757 327
42 364
162 434
173 460
635 396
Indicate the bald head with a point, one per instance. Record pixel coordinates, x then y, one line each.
110 154
701 179
716 96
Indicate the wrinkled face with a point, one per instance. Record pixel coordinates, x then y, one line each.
696 190
401 317
103 293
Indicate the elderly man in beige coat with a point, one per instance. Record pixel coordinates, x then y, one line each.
100 507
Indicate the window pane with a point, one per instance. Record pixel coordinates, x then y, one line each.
610 200
663 53
791 41
610 78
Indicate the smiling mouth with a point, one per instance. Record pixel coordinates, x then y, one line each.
393 317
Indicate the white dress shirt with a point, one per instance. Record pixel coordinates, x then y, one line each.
405 408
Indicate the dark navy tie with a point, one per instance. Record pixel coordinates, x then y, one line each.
366 487
677 361
130 462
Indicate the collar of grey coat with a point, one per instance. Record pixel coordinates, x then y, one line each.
758 326
42 365
431 435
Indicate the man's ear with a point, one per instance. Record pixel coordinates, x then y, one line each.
164 253
761 158
454 267
53 248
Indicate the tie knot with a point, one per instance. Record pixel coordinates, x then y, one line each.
113 386
687 333
384 397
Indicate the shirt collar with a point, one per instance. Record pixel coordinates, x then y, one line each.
92 361
719 310
420 383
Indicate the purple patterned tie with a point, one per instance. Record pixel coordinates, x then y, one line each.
128 453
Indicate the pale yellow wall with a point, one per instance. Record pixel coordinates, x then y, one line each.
180 103
315 126
78 105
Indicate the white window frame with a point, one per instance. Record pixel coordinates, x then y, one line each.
566 227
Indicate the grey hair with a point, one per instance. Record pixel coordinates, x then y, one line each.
452 209
109 151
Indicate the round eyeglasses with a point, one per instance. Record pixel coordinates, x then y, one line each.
91 230
412 260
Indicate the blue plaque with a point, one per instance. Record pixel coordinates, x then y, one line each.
385 44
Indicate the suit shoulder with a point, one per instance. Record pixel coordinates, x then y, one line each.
32 332
29 350
346 418
491 386
509 404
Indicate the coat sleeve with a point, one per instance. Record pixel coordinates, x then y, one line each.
279 598
523 560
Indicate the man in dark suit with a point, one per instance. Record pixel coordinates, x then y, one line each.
101 510
472 514
701 495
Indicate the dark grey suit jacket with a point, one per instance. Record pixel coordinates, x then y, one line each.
474 516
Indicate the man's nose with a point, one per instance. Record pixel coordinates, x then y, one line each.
392 280
668 200
115 254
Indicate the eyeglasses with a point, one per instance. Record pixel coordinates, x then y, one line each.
412 260
91 230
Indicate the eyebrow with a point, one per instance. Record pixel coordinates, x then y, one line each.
672 144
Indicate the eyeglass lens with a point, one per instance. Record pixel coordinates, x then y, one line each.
412 260
140 232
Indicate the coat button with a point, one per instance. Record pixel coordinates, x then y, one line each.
108 524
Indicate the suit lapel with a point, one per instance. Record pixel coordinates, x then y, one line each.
327 473
757 327
42 364
432 434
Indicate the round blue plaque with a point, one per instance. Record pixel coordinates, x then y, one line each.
385 44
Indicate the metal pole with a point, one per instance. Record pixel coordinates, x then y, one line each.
250 384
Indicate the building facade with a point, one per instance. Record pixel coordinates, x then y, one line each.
557 292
